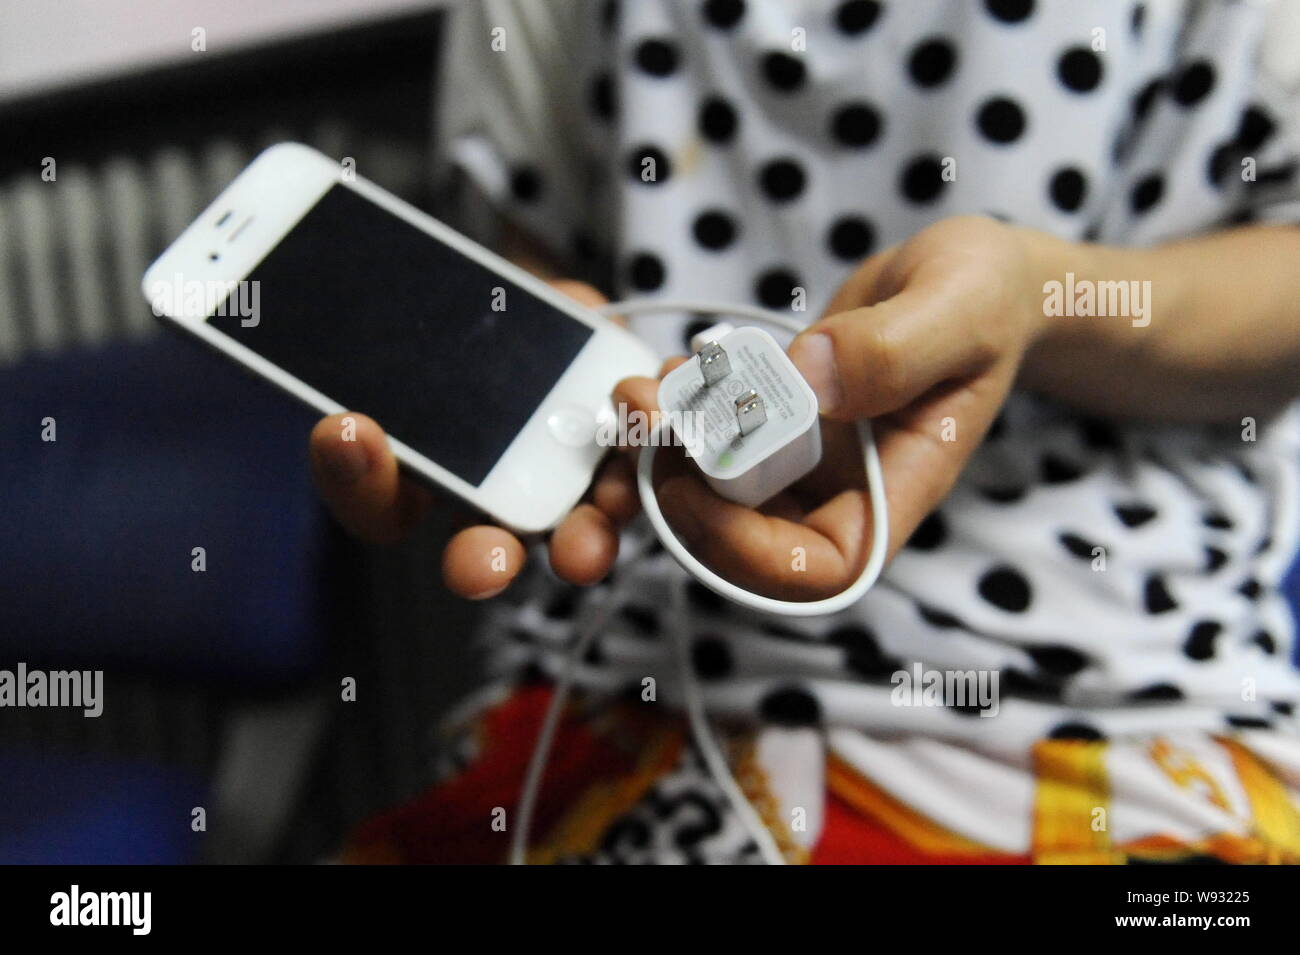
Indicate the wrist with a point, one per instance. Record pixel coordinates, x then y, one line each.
1052 267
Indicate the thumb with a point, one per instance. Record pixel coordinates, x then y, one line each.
867 362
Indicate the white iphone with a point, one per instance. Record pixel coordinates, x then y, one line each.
488 382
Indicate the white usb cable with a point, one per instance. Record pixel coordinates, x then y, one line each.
705 741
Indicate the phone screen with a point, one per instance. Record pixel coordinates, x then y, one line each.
387 320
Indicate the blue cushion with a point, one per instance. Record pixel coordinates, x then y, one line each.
62 810
161 447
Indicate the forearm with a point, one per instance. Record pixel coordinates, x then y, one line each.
1211 333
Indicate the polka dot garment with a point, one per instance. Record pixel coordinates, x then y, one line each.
1122 580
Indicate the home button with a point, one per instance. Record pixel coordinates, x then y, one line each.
572 425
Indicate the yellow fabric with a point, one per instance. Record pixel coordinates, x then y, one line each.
1274 819
1072 805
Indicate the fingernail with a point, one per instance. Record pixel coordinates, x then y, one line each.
487 594
814 356
347 462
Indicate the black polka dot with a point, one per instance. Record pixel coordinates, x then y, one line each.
1009 11
645 271
1076 545
1200 641
1003 495
584 245
965 709
932 62
856 125
1264 640
711 658
690 331
643 621
1157 692
1147 192
1079 69
1249 722
717 120
1068 187
701 597
1250 589
1077 731
594 654
1284 707
856 16
851 238
1099 435
714 229
1193 84
1134 515
526 184
1243 216
649 166
1265 543
784 72
790 706
775 288
1138 18
862 653
1057 470
782 179
1156 596
1001 120
1058 661
562 605
1005 588
939 618
1222 157
1146 98
628 831
532 674
602 97
1214 559
922 179
930 534
1218 520
1277 175
723 14
657 57
1254 129
1023 684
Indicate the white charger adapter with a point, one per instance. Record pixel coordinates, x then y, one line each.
743 414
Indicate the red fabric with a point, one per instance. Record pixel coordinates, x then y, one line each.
452 822
850 838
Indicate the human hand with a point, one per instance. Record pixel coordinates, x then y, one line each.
925 339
